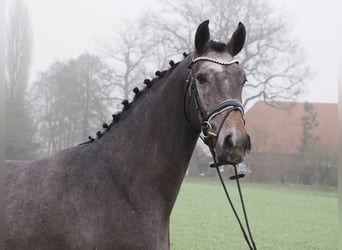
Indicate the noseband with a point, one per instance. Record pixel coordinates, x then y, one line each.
208 136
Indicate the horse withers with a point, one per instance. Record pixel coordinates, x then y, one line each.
118 191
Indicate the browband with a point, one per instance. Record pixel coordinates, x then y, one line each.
208 59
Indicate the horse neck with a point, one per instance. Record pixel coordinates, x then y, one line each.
154 143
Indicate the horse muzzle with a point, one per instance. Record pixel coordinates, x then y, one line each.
233 143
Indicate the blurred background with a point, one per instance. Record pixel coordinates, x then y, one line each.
69 64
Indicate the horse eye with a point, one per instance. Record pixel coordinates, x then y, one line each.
245 81
201 78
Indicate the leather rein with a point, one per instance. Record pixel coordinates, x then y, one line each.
209 137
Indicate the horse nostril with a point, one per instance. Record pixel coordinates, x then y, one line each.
228 142
243 143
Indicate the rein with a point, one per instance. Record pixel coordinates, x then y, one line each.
209 137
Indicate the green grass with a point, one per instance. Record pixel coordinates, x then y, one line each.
280 218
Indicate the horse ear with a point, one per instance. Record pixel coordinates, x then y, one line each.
237 40
202 37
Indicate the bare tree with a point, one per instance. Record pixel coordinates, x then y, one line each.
274 62
19 128
71 100
19 50
130 54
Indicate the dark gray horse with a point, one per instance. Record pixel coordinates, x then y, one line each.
118 191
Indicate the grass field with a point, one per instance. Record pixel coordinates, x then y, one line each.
280 218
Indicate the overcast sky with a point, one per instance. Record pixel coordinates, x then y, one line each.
66 28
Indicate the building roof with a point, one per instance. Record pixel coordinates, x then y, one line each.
280 130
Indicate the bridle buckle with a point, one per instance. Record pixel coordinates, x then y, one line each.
207 129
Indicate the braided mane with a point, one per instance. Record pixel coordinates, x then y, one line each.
137 94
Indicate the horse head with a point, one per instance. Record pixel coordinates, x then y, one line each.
216 82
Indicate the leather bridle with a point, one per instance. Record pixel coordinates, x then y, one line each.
209 136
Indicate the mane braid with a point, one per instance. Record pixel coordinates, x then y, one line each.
116 117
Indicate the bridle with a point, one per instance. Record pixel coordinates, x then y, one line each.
209 137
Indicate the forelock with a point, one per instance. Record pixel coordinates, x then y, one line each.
217 46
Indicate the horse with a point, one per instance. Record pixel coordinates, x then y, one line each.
117 191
